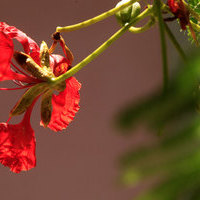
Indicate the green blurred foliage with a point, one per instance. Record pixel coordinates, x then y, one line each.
195 5
175 157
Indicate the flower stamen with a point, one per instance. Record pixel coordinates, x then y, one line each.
22 87
8 119
17 68
19 83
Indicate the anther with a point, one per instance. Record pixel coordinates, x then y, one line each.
56 36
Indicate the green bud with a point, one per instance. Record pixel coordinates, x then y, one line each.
127 14
28 98
30 66
44 55
46 107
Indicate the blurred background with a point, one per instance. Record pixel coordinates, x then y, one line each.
88 160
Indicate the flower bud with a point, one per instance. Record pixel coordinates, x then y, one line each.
127 14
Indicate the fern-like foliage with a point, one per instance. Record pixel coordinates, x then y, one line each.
195 5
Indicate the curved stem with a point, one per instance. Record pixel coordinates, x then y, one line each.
157 5
95 19
142 29
175 42
99 50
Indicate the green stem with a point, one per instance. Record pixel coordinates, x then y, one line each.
142 29
157 6
195 26
95 19
175 42
99 50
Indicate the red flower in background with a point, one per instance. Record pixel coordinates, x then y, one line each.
39 65
179 10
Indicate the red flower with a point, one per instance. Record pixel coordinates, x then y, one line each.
17 142
179 10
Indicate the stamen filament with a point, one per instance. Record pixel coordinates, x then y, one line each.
25 86
8 120
17 68
19 83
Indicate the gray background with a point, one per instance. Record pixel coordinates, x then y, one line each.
81 162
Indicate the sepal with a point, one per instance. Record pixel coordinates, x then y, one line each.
44 55
46 107
30 66
28 98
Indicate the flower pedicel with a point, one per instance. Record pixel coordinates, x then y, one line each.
17 142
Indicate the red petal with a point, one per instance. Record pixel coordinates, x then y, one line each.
173 6
17 145
30 46
6 53
65 105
